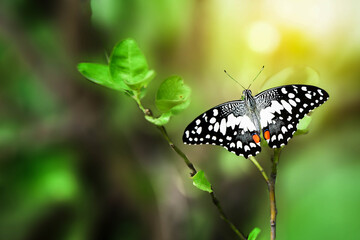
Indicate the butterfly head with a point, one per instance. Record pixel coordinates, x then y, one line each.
249 99
247 94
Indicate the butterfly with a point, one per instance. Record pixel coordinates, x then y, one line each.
237 125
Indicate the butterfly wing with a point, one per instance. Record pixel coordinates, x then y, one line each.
281 108
228 125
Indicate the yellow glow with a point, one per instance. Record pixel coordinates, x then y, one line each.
314 16
263 37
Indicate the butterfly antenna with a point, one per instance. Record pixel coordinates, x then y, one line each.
233 79
256 76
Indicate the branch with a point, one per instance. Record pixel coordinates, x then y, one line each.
178 151
271 187
223 216
193 172
273 210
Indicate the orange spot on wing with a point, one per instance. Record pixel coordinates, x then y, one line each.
256 138
267 135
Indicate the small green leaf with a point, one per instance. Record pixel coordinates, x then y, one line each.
173 95
160 121
142 93
128 65
303 125
179 108
200 181
254 233
97 73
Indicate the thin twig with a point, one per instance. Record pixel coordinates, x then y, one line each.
193 172
178 151
257 164
223 216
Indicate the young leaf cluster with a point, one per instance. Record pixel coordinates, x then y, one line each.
128 72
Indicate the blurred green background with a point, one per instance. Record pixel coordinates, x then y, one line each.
79 161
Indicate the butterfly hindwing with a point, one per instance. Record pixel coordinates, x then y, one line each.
227 125
281 108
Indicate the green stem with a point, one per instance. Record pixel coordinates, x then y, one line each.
273 210
137 100
257 164
223 216
271 187
193 170
177 150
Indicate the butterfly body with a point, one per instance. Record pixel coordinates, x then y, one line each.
237 125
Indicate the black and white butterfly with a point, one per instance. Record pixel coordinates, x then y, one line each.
236 125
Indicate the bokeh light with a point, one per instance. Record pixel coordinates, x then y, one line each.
263 37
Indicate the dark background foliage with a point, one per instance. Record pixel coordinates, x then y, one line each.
79 161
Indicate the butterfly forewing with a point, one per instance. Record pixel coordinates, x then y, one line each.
280 110
227 125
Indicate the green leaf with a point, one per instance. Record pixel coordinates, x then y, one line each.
303 125
254 233
98 73
179 108
173 95
142 93
292 75
128 66
200 181
162 120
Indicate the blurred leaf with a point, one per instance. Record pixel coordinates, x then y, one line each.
128 66
29 94
36 181
254 233
98 73
53 176
105 12
303 125
9 132
292 75
162 120
231 166
200 181
173 95
142 93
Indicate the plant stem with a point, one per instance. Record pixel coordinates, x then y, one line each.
257 164
137 100
193 172
177 150
271 187
223 216
273 210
